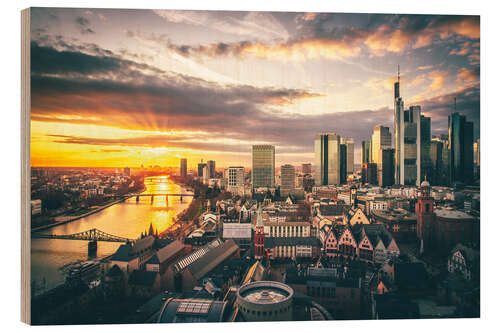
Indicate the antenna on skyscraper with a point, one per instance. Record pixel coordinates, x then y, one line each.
398 72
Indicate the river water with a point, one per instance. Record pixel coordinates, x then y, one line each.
126 219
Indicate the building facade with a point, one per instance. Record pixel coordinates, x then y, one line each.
287 179
183 168
327 159
263 166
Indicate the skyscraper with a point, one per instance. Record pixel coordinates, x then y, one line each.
438 176
386 167
460 145
366 149
262 166
200 168
287 179
183 168
381 139
425 148
349 143
406 140
327 159
211 169
343 163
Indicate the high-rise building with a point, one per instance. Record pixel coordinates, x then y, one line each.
438 176
381 139
369 173
307 168
183 167
343 163
262 166
477 158
406 140
386 167
206 174
200 168
211 169
366 149
287 179
461 147
126 171
425 148
349 143
327 159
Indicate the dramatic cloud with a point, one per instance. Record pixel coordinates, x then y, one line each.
84 25
322 37
467 75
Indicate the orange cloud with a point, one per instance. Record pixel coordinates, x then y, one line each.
438 79
467 75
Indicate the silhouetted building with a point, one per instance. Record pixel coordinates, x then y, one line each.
183 172
369 173
366 148
211 169
386 168
343 163
460 145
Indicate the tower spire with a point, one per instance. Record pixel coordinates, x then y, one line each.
398 72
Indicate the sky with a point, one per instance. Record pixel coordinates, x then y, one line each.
123 88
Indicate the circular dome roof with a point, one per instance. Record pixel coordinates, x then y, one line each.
425 183
265 292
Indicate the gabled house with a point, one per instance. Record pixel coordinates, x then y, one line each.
464 260
355 216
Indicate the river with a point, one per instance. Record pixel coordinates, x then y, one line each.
126 219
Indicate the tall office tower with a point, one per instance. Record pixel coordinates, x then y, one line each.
343 163
262 166
438 176
306 168
406 140
183 167
287 179
366 149
369 173
381 139
426 166
200 168
386 167
350 153
327 159
126 170
460 145
211 169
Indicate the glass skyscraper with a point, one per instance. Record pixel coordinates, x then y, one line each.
461 148
407 141
327 159
262 166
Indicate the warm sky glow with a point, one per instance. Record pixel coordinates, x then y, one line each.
129 87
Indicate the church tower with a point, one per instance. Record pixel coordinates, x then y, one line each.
424 209
259 236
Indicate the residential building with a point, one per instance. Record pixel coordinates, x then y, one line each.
236 179
307 168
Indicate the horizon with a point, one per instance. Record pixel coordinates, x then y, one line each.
112 86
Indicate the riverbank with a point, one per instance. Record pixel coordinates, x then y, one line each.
68 219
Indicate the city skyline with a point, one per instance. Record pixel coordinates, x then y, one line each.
129 87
